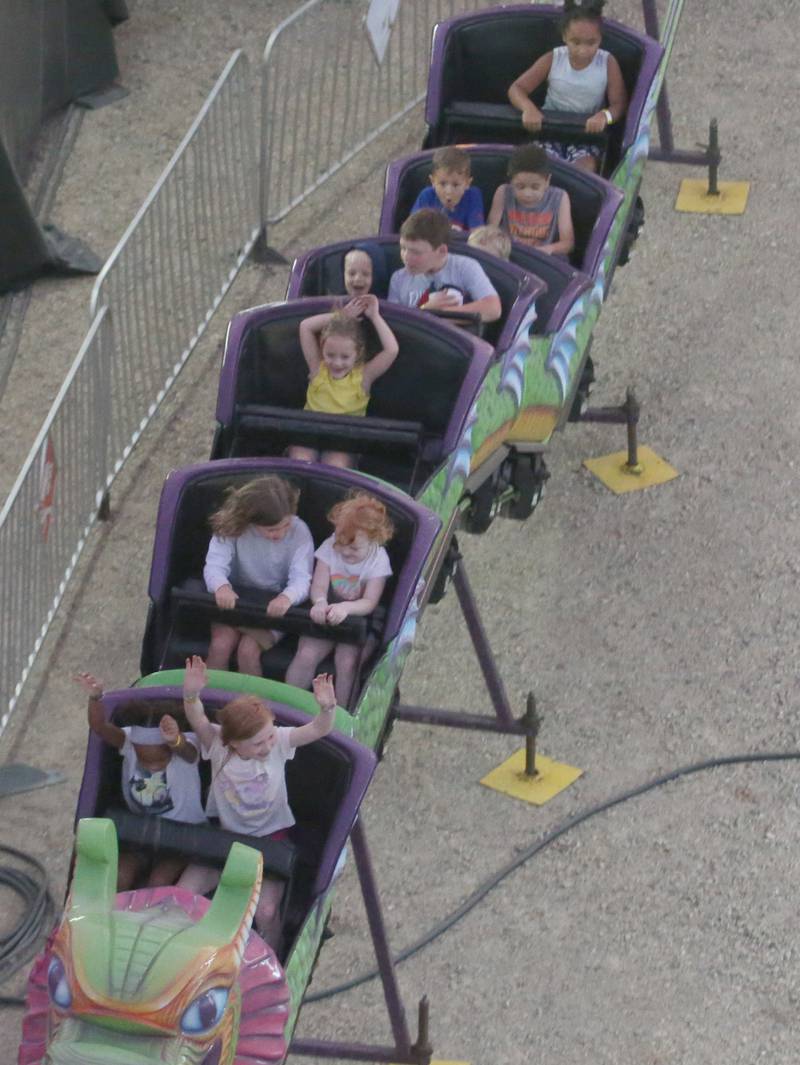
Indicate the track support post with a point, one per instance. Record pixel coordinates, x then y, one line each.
532 722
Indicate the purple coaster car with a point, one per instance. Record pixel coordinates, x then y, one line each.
476 57
321 271
180 608
594 202
326 782
408 429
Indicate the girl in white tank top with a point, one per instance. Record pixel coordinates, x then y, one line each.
581 77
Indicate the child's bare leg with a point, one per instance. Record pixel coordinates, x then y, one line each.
302 454
267 918
165 872
587 163
224 639
252 643
248 656
309 654
338 458
198 878
129 867
345 662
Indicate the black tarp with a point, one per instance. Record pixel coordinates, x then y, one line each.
51 53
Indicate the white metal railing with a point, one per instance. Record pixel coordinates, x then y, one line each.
325 94
150 305
51 509
180 254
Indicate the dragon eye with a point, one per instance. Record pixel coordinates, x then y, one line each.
57 984
205 1012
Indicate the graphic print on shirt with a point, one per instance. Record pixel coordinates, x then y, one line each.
346 585
245 796
530 227
149 791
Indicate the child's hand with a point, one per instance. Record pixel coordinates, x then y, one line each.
354 308
225 597
337 612
169 730
195 678
278 606
319 611
90 684
324 693
596 123
442 301
370 309
532 118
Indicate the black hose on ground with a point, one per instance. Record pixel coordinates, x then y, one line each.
20 944
483 889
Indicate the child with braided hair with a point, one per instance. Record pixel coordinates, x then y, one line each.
581 77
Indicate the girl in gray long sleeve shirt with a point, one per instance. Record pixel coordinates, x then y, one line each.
258 541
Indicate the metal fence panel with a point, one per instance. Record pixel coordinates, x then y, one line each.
325 95
150 305
180 255
51 509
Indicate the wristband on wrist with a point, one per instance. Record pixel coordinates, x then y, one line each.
608 116
177 742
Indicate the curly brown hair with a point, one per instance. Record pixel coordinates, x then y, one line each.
341 325
264 501
361 512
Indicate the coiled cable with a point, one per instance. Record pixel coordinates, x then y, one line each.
20 944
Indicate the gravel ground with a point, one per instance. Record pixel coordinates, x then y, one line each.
656 629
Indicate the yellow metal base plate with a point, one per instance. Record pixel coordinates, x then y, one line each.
551 778
693 197
613 472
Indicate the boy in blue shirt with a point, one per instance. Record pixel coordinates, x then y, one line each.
451 190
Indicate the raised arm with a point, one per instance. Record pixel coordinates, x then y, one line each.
323 722
381 362
108 733
496 210
174 738
566 233
310 329
519 93
195 679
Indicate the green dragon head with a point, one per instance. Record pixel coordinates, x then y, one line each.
148 983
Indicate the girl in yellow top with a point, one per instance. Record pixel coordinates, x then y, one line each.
340 379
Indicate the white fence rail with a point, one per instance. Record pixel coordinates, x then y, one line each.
51 509
180 254
325 94
150 305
